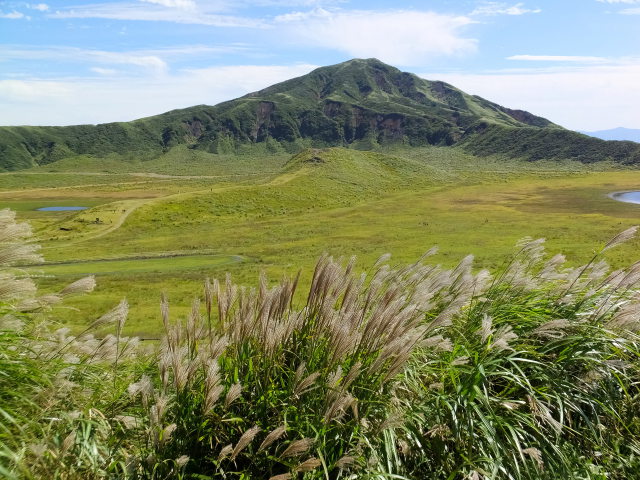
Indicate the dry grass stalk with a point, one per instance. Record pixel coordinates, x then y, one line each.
333 379
297 448
553 328
84 285
68 442
225 452
305 384
541 412
118 314
535 455
164 310
157 411
143 387
346 462
440 431
308 465
283 476
246 438
16 245
486 330
233 394
621 238
352 374
502 337
208 300
167 431
12 287
273 436
437 342
339 407
213 386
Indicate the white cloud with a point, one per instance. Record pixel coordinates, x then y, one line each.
76 101
589 97
499 8
625 11
291 3
558 58
103 71
19 91
157 11
183 4
401 37
14 15
145 60
41 7
303 16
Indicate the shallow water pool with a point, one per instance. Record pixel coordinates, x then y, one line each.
59 209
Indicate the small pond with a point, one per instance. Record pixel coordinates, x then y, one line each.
59 209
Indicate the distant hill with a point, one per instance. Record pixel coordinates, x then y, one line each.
619 133
361 104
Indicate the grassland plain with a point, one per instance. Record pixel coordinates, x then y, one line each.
167 223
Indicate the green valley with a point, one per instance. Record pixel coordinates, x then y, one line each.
167 230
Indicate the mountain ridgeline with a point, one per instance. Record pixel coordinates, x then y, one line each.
362 104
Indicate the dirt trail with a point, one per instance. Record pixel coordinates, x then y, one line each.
77 187
153 178
133 205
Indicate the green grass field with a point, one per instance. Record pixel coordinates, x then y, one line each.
166 224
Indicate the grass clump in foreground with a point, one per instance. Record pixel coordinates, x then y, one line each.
406 372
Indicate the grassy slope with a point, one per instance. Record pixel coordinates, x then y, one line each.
538 144
342 201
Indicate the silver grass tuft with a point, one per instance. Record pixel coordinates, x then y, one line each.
282 476
305 384
553 328
346 462
225 452
84 285
486 330
297 448
273 436
621 238
12 287
308 465
502 337
246 438
535 455
117 315
142 387
68 443
233 394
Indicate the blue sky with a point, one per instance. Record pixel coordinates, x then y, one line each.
576 62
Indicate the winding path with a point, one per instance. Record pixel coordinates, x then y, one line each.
133 205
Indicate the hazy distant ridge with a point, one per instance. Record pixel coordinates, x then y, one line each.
619 133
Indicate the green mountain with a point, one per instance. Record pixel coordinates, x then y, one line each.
360 104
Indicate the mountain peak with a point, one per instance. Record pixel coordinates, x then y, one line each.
360 103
